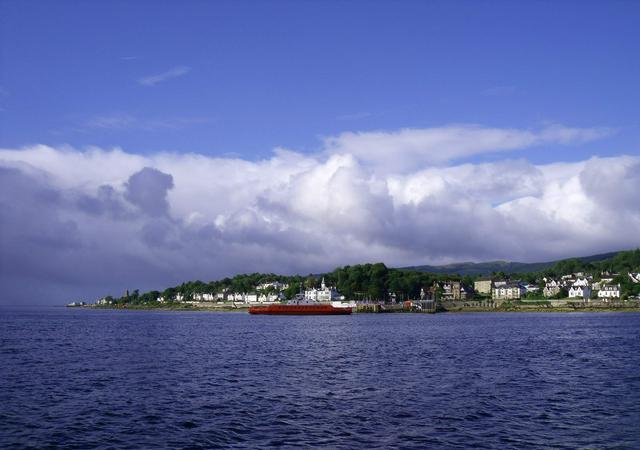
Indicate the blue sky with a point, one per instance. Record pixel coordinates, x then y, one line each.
258 75
145 143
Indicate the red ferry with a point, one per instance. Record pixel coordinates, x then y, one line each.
302 308
320 302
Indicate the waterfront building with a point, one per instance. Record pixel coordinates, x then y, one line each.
551 288
580 289
508 291
453 290
276 285
609 291
204 297
255 297
324 294
483 285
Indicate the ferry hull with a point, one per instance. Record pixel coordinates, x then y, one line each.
300 310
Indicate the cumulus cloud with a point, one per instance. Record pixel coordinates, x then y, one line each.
409 148
80 224
148 189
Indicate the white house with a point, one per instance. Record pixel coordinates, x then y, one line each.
236 297
264 298
635 277
273 284
580 289
324 294
551 288
206 297
581 282
609 291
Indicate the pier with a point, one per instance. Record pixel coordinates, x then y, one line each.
417 306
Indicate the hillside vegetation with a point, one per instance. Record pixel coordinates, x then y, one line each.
377 281
488 268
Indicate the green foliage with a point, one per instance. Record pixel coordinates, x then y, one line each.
378 282
563 293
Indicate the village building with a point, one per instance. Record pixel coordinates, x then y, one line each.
609 291
254 297
508 291
551 288
276 285
581 282
635 277
206 297
483 285
324 294
453 290
580 289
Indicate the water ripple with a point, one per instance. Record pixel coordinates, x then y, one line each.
105 379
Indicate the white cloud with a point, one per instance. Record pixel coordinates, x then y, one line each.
100 221
410 148
174 72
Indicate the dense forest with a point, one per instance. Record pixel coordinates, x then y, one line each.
377 281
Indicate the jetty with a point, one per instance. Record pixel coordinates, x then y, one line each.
417 306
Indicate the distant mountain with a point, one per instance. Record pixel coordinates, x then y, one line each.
487 268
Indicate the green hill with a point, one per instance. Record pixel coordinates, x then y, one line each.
487 268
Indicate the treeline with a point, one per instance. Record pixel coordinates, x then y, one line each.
378 282
358 282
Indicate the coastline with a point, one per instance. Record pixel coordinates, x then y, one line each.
458 310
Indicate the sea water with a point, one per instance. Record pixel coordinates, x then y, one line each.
83 378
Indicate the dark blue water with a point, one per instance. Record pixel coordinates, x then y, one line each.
83 378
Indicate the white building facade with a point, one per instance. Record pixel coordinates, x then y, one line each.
324 294
551 288
508 292
579 292
609 291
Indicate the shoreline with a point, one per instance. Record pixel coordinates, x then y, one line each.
462 310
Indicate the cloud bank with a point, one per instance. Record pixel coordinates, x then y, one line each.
81 224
